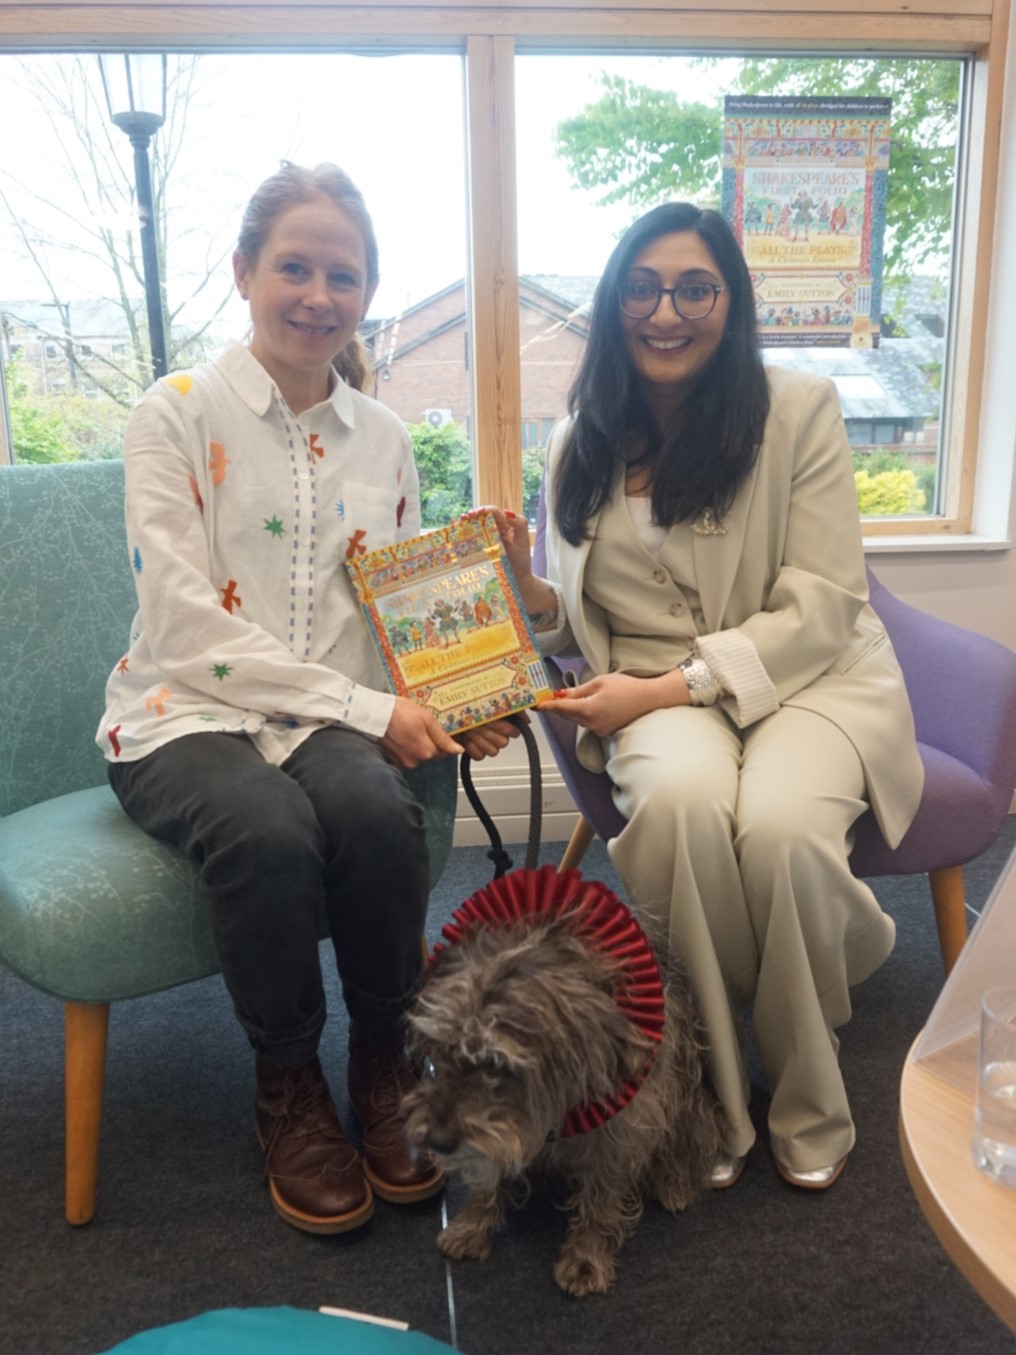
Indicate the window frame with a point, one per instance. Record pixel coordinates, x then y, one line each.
489 34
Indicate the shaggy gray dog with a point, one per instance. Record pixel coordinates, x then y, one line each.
515 1027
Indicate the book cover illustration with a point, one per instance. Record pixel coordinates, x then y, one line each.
448 622
804 188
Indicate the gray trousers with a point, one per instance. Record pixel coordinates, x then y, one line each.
736 853
333 834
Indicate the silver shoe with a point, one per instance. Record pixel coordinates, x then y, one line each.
726 1172
819 1179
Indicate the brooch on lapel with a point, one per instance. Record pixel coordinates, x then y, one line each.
708 524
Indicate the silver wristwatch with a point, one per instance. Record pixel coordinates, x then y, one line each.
702 685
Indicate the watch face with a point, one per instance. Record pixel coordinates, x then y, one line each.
703 689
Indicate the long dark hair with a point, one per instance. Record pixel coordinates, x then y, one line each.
699 464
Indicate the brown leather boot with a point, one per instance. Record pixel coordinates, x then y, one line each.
400 1171
314 1174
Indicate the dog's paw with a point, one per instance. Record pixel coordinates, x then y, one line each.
675 1196
464 1241
581 1275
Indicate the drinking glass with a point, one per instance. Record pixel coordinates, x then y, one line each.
994 1143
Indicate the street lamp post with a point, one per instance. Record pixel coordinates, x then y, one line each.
135 88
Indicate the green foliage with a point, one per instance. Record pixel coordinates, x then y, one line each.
927 481
37 430
444 460
642 145
875 464
887 485
646 145
533 460
94 429
890 493
932 372
445 463
61 427
37 434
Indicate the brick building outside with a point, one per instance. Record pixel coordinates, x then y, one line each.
889 395
421 357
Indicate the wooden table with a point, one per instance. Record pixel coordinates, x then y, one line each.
972 1216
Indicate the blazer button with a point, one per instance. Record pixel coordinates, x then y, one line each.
660 576
676 608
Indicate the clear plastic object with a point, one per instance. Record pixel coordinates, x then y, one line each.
948 1045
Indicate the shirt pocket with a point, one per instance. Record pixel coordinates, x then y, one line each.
368 514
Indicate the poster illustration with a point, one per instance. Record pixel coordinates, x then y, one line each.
804 189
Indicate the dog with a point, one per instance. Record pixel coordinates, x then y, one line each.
516 1026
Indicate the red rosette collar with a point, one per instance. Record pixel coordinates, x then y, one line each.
605 924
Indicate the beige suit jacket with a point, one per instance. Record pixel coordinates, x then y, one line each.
784 592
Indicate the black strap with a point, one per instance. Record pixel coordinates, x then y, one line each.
502 861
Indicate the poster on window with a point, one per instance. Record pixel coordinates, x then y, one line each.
804 188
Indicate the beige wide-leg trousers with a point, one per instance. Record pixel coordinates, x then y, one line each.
735 855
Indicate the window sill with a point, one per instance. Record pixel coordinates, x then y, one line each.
932 544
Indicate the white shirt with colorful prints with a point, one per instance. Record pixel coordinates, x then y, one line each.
239 519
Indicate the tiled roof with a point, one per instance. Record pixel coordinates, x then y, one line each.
90 319
885 382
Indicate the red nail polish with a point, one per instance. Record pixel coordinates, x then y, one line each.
561 691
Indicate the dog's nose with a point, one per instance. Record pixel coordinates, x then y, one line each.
445 1144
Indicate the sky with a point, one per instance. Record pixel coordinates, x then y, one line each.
394 122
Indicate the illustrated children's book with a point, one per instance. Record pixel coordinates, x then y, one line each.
448 622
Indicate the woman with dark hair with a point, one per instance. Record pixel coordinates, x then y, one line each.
704 555
249 722
698 463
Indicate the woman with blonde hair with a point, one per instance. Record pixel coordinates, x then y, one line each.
249 722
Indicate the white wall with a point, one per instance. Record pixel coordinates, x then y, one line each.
502 784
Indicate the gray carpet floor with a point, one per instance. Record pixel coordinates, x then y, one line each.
184 1224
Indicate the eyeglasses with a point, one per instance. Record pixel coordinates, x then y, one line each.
639 298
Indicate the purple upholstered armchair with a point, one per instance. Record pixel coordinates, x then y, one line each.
966 733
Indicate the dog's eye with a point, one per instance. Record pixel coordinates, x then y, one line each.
497 1079
428 1066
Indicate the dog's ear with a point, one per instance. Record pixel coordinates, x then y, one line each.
459 1010
619 1051
488 1039
553 997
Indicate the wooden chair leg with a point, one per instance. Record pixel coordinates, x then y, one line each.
580 839
950 912
86 1025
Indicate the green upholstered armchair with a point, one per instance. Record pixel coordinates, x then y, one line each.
92 910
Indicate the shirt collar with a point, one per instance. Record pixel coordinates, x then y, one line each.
256 388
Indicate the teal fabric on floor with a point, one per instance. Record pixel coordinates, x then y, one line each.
276 1331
